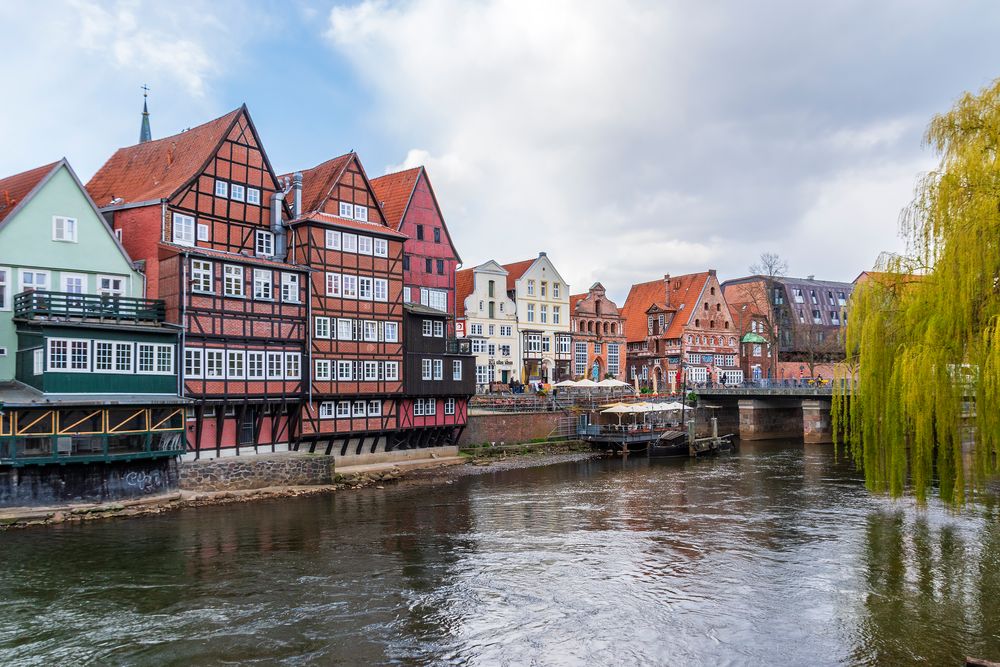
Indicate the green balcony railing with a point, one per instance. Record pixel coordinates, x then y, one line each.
45 305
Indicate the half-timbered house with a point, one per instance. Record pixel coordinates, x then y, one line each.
355 257
204 210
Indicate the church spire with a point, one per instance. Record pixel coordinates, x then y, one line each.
144 132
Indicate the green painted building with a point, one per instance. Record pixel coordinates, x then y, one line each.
88 367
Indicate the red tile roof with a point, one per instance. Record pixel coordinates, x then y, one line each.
14 189
319 181
684 293
515 270
464 281
394 192
169 249
157 169
575 299
331 219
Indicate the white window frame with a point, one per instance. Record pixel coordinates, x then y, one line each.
394 328
263 243
141 348
110 291
333 284
290 285
349 242
345 329
256 361
35 274
392 371
202 231
199 275
66 277
438 329
221 188
233 273
343 409
253 196
374 408
322 370
358 409
184 223
327 410
361 213
364 245
275 365
370 371
239 371
217 359
345 371
380 247
456 369
293 366
381 289
430 407
332 239
370 330
236 192
426 369
321 327
164 365
6 278
263 287
346 210
349 286
194 363
426 328
67 223
366 289
449 406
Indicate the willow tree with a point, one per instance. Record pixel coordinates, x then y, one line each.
923 338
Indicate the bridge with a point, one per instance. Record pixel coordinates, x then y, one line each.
765 412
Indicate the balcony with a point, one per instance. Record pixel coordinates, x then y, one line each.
458 346
43 305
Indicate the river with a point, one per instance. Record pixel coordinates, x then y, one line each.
774 555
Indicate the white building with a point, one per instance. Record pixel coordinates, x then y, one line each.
487 316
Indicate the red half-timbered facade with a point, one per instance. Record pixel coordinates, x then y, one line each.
356 332
430 258
204 210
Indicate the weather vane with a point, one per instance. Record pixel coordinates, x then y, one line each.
145 90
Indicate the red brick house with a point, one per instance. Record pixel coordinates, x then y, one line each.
430 258
203 210
598 335
679 329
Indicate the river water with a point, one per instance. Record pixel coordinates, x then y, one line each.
774 555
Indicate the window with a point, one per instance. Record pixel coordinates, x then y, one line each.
183 232
103 356
597 348
201 276
221 189
438 329
234 364
430 406
236 192
214 367
165 359
359 409
531 288
380 248
406 262
531 312
456 369
475 329
290 287
345 370
371 371
440 266
346 210
374 407
233 277
449 406
343 409
365 286
253 196
202 232
74 283
255 365
79 355
797 295
484 374
262 288
326 410
345 329
381 289
544 287
418 407
145 355
437 235
426 372
564 342
392 332
420 232
332 239
580 359
505 330
438 369
349 242
293 365
5 282
107 286
58 354
555 290
491 349
427 327
275 365
555 315
544 313
265 243
756 350
321 328
349 285
322 371
429 265
535 343
392 371
364 245
370 330
361 213
193 363
63 229
333 284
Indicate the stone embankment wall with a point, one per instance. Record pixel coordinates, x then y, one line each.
256 472
509 427
31 486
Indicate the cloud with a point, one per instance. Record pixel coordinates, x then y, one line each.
633 139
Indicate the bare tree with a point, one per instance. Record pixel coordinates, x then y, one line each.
770 265
762 296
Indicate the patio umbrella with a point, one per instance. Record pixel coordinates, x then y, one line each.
619 410
566 383
586 384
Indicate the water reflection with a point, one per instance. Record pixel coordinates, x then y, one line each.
775 555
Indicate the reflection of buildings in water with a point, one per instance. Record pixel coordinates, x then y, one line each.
929 596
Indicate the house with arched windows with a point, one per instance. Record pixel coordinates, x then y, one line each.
679 329
598 334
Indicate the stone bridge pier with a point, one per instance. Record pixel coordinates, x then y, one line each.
767 414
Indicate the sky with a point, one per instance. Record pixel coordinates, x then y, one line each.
626 139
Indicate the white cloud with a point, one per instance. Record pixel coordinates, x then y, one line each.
633 139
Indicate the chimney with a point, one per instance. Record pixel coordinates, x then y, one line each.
811 277
297 194
666 288
277 226
541 254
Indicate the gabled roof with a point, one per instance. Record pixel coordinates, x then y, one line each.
515 270
394 191
18 188
685 292
575 299
464 282
155 170
318 182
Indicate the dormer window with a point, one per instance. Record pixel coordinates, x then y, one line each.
265 243
221 189
346 210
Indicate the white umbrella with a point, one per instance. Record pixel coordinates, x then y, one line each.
607 383
586 384
566 383
673 406
618 409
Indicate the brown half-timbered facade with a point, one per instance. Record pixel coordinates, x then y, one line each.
205 211
356 332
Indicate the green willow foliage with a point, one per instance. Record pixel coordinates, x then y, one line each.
923 337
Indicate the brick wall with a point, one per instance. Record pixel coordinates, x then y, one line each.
509 428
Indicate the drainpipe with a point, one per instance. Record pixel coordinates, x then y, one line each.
183 323
277 227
